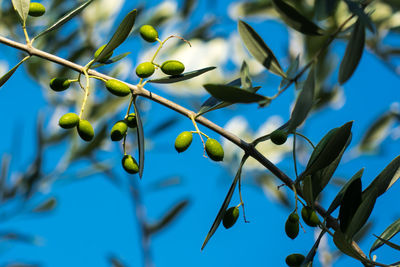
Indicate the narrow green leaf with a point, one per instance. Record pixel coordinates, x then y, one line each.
22 8
358 9
181 77
233 94
111 60
310 256
304 102
387 242
72 13
344 245
245 76
119 36
8 75
351 200
47 205
225 204
257 47
389 232
307 191
140 134
353 53
336 202
296 20
291 72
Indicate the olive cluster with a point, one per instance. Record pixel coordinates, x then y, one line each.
146 69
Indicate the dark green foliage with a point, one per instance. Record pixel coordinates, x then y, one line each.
106 57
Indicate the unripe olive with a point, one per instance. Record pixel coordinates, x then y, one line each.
230 217
295 260
148 33
99 50
59 84
145 70
278 137
69 120
129 164
292 226
172 67
309 216
131 120
118 131
85 130
183 141
117 88
214 150
36 9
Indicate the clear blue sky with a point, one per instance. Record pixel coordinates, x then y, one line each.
94 218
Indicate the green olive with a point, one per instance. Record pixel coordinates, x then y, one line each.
309 216
295 260
107 57
131 120
145 70
183 141
278 137
118 131
214 150
129 164
85 130
292 226
117 88
230 217
148 33
59 84
36 9
69 120
172 67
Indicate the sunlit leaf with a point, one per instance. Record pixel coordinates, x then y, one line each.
72 13
140 135
111 60
233 94
257 47
22 8
8 75
119 36
353 53
351 200
389 232
47 205
296 20
181 77
225 204
387 242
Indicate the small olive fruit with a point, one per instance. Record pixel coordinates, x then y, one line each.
69 120
59 84
117 88
230 217
309 216
214 150
148 33
172 67
145 70
292 225
131 120
99 50
278 137
183 141
295 260
129 164
118 131
36 9
85 130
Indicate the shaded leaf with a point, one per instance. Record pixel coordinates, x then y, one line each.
353 53
119 36
245 76
8 75
72 13
181 77
225 204
344 245
325 8
338 199
291 72
389 232
257 47
140 135
307 191
310 256
233 94
22 8
351 200
304 102
296 20
168 218
358 9
47 205
111 60
387 242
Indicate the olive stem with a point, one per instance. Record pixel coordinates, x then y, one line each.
86 91
308 140
98 78
206 136
28 42
192 117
